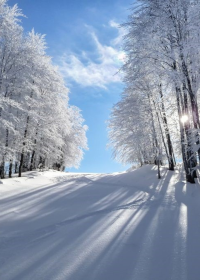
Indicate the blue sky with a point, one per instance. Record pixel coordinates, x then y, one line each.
83 39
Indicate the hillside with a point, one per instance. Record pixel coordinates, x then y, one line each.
121 226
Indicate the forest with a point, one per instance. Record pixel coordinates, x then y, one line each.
157 118
38 127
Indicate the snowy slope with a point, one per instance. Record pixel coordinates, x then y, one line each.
122 226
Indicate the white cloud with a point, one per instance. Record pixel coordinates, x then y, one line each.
90 73
122 32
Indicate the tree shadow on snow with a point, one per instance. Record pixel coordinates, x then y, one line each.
124 226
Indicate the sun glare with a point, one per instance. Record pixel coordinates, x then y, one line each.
184 118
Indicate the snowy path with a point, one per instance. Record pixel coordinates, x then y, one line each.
128 226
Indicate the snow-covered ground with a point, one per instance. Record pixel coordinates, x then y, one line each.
122 226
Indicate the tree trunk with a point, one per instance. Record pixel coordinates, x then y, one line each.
159 162
32 160
2 170
16 167
163 140
21 164
193 101
22 154
186 160
169 143
191 155
10 169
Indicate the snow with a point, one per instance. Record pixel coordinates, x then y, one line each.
121 226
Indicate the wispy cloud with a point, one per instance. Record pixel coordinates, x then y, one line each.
121 33
86 71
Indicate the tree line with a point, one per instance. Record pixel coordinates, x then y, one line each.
38 126
157 118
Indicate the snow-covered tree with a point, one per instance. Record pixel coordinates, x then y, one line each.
38 126
163 50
